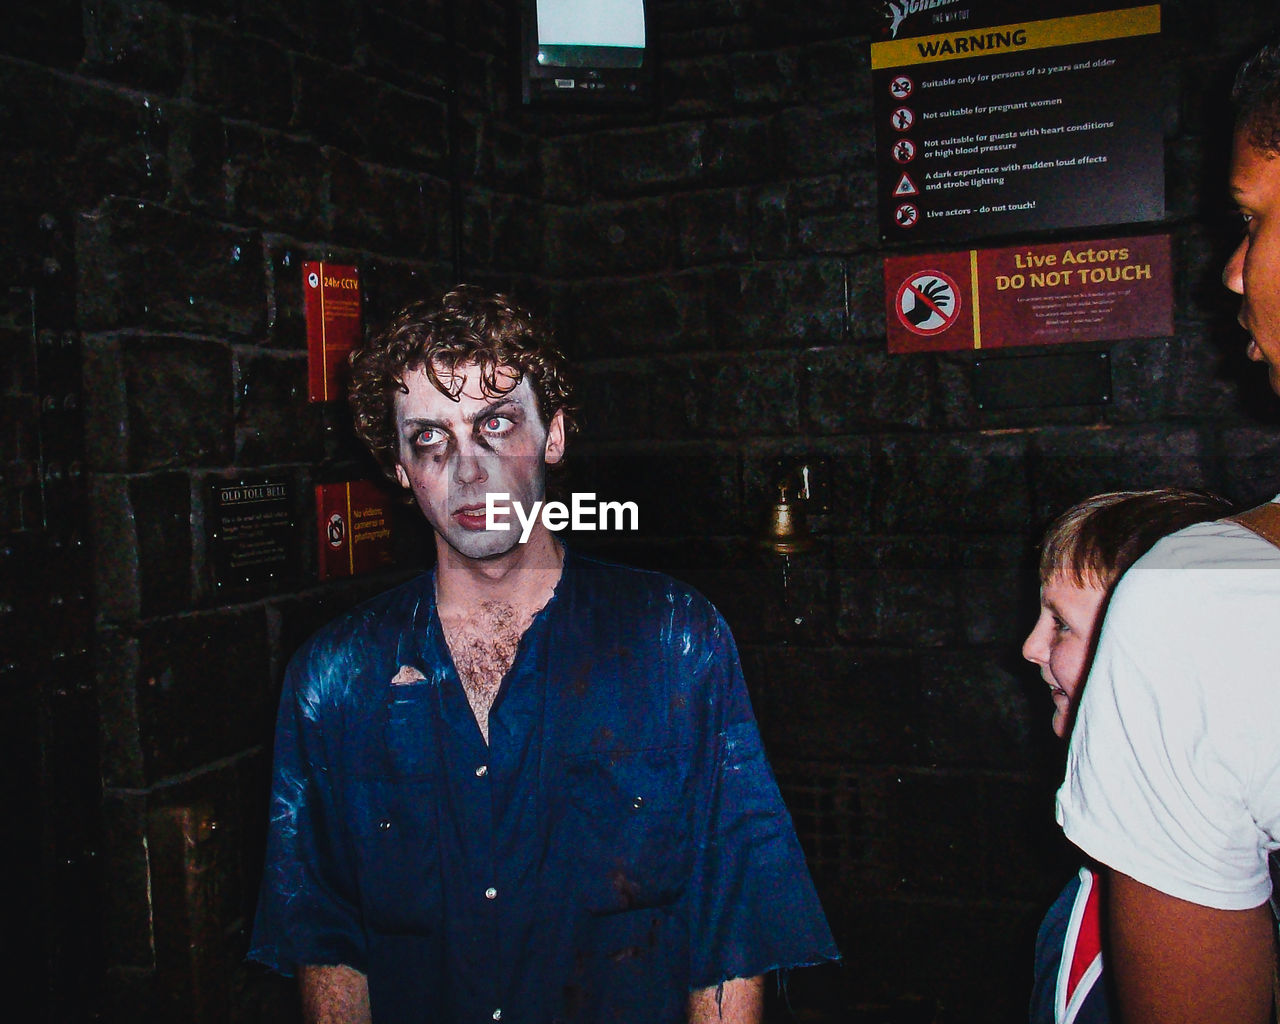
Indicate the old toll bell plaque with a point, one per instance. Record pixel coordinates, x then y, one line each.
252 537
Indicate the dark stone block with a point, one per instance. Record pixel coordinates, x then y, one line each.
49 33
607 239
899 591
66 145
616 402
275 422
144 265
117 572
511 160
390 285
241 76
696 88
865 272
1249 468
998 589
764 78
782 304
161 509
106 432
387 210
192 669
178 401
1069 465
286 305
197 158
407 49
138 44
853 389
643 160
837 70
126 900
117 670
516 234
278 182
370 119
738 151
748 399
565 171
772 222
614 318
713 226
328 28
961 484
817 140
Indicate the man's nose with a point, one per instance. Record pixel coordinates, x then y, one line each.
468 466
1233 272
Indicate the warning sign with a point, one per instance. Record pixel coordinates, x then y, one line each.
353 519
1098 290
928 302
905 186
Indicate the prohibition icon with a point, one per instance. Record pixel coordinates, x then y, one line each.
901 86
336 530
906 215
904 151
903 118
313 279
928 302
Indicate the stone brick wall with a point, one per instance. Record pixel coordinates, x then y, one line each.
714 267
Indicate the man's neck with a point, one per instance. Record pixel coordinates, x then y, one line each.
523 578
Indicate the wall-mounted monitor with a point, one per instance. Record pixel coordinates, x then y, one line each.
586 53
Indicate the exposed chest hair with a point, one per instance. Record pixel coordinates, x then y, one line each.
483 645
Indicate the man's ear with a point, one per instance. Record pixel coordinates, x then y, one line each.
402 476
553 451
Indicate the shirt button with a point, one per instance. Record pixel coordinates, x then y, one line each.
497 1014
482 771
491 894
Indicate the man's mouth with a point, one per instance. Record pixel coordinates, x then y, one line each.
470 517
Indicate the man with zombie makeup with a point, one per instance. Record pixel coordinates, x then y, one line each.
526 786
1173 774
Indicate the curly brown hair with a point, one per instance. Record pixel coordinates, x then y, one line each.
469 325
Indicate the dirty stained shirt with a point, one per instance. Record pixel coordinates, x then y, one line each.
619 842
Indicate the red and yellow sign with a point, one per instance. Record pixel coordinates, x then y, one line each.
1030 295
353 523
332 302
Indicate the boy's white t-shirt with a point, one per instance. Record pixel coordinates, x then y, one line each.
1173 772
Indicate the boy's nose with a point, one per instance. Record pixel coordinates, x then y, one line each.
1034 647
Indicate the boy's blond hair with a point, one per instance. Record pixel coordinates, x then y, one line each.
1093 542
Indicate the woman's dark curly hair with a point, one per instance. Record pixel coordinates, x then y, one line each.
1256 97
469 325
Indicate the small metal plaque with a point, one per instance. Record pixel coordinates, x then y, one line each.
252 533
1042 382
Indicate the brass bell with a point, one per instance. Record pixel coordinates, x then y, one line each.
786 532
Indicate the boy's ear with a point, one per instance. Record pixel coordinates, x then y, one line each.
402 477
553 451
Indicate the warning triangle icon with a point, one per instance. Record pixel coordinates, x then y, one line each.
906 187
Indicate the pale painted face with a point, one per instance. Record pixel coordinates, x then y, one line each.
453 453
1253 271
1061 644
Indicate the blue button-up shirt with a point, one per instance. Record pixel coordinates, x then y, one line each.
618 843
